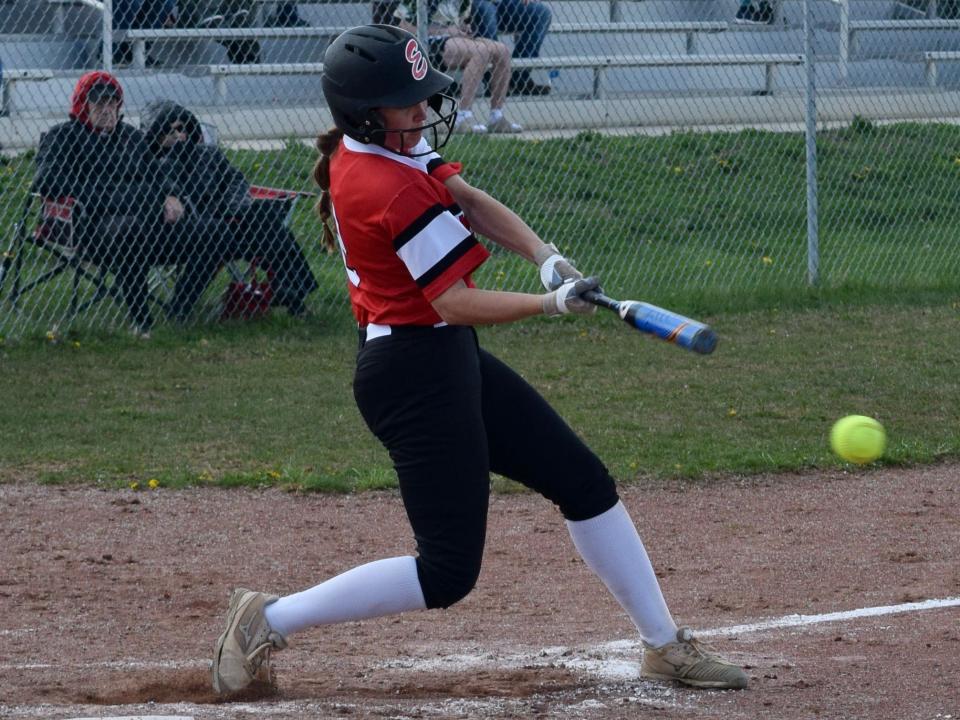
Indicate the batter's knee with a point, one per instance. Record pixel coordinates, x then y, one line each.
587 495
447 581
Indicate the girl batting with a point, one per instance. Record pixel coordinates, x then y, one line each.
448 412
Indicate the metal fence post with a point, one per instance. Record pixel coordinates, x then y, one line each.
423 23
107 28
813 227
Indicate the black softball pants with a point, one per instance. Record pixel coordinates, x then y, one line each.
449 413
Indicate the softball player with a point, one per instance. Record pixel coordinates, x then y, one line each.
448 412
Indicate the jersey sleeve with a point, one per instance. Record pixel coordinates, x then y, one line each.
440 169
437 167
432 240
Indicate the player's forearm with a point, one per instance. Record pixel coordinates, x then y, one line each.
461 305
494 220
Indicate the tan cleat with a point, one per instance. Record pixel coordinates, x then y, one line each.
690 662
242 653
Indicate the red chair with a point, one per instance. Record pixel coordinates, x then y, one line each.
250 294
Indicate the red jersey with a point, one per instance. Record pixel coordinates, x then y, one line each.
403 238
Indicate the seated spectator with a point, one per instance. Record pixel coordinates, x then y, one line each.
219 193
529 21
454 47
224 14
127 217
129 14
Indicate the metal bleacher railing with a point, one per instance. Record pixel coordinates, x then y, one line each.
620 37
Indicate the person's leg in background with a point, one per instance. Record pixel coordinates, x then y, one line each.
286 14
261 235
199 246
124 14
528 21
472 56
120 245
499 80
240 14
131 273
153 15
483 18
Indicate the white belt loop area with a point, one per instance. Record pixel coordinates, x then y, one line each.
375 331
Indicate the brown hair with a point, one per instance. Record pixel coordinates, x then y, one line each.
327 144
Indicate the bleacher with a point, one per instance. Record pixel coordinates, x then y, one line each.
613 62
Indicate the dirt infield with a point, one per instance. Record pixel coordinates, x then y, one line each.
110 602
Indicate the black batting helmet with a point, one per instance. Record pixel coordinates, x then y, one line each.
374 66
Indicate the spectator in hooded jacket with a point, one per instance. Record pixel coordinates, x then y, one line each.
210 187
127 217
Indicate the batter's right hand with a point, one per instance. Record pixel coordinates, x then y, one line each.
566 298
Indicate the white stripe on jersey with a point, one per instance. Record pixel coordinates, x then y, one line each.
429 246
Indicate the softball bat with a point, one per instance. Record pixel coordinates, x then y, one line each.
664 324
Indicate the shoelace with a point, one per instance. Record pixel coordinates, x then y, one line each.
260 653
699 648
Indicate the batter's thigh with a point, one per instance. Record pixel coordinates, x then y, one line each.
530 443
420 395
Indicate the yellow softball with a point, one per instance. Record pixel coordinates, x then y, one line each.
858 439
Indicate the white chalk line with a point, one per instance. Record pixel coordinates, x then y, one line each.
617 660
788 621
594 660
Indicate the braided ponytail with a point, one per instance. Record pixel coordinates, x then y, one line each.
327 144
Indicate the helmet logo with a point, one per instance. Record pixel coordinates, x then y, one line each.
418 63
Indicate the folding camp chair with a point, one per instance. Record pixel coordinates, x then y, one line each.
289 198
48 225
53 234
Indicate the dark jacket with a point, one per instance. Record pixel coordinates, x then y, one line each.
107 173
200 174
203 178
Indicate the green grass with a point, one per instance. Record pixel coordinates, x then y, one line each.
712 225
270 402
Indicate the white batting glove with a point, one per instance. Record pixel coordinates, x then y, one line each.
566 298
555 269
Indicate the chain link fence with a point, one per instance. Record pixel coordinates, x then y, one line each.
666 145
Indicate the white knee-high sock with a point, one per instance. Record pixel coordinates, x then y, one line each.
383 587
612 548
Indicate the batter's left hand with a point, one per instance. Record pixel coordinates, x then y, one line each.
555 269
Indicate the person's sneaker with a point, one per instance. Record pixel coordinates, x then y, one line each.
140 331
502 125
689 661
469 126
242 653
211 21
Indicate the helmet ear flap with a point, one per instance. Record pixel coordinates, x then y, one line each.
435 102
